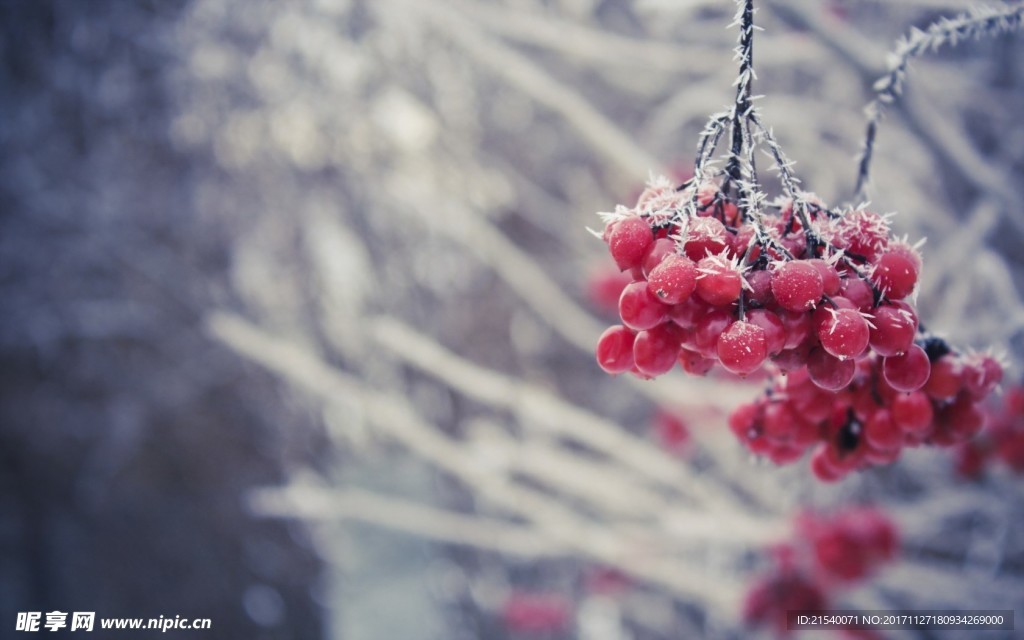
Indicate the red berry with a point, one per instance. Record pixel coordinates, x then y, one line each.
1010 450
719 282
694 363
970 460
1015 401
824 314
829 372
760 294
730 213
671 431
658 251
880 431
858 292
743 422
779 421
907 372
740 241
707 328
798 327
639 308
982 374
742 348
823 469
839 453
844 333
797 285
863 402
628 240
774 330
893 330
771 599
863 233
532 613
795 243
912 411
895 275
878 532
909 252
840 555
615 349
685 314
785 454
704 237
790 360
673 280
961 419
946 378
655 350
830 280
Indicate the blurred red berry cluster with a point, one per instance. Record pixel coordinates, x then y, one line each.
536 613
1001 441
826 554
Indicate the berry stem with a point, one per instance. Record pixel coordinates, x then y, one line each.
744 263
706 145
740 168
744 86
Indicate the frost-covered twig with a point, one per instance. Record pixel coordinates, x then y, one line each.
981 21
790 183
784 166
744 86
740 168
707 142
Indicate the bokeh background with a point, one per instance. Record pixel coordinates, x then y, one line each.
297 313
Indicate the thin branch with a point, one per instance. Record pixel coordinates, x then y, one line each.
744 85
707 142
790 183
979 22
782 164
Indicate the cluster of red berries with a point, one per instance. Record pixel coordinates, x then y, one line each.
805 287
828 553
1002 440
820 295
872 419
